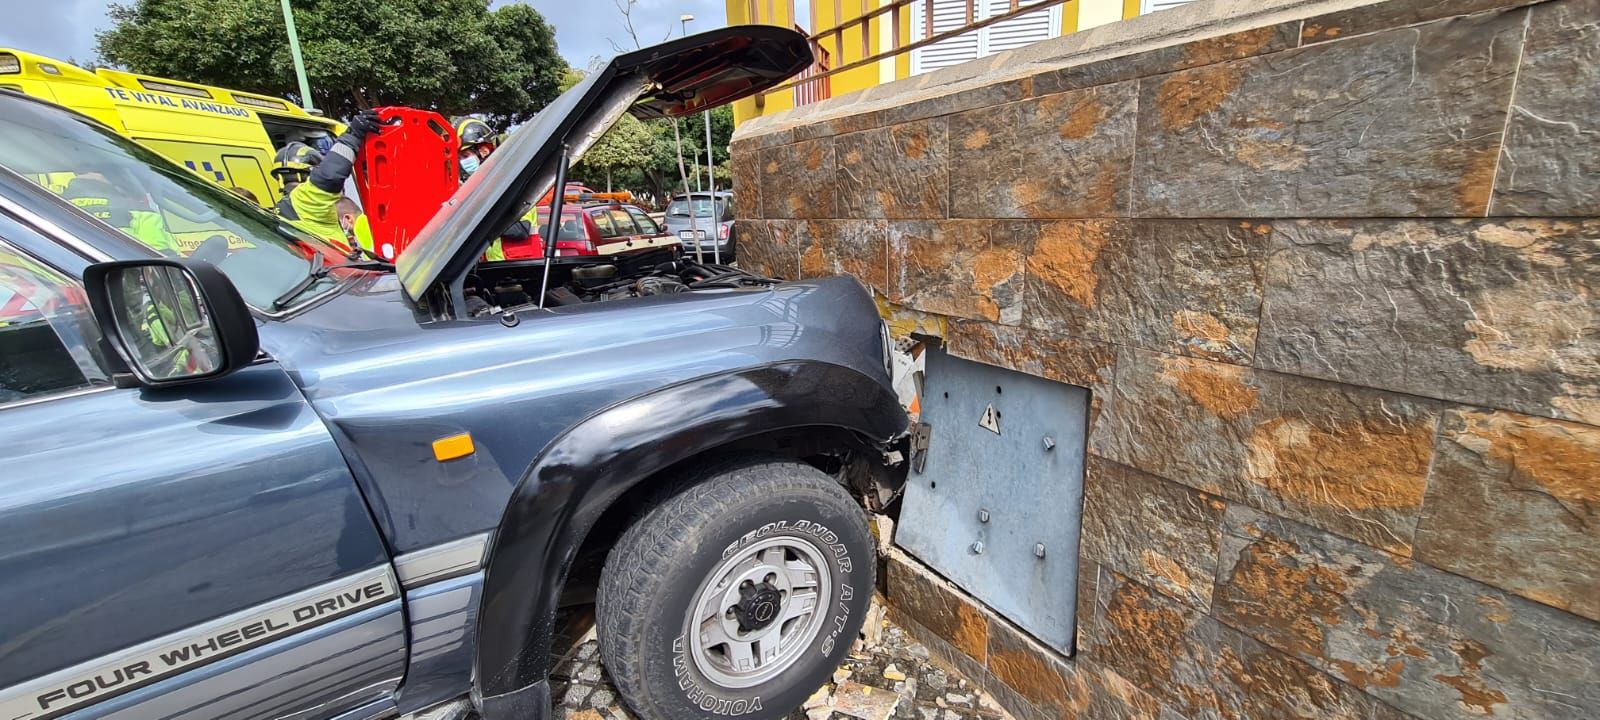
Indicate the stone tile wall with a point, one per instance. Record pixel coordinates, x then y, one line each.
1335 285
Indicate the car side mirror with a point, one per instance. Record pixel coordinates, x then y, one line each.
172 320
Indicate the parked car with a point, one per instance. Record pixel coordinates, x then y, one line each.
264 479
593 228
713 213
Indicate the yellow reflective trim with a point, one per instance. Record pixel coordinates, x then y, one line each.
455 446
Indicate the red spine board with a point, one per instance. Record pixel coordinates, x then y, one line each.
405 173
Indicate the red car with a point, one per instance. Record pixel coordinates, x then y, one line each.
604 228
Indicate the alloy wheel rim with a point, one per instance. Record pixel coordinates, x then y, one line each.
758 610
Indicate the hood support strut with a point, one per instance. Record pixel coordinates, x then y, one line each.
558 194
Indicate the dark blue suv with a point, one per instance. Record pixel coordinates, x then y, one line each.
254 477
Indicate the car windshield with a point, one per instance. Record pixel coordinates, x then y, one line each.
162 205
702 207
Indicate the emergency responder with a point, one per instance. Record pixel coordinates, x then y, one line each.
293 164
121 210
477 143
311 204
357 232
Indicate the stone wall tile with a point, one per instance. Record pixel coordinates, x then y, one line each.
768 139
757 252
986 154
1034 672
950 103
856 122
1184 56
942 652
1059 156
847 247
1074 150
1204 669
1061 358
960 268
1181 286
1089 573
774 247
1430 643
1514 501
1551 161
1381 16
1399 123
1114 697
899 171
745 164
1157 532
798 180
1346 459
1500 313
938 606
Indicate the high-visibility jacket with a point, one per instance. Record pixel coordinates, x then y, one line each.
311 209
313 205
148 227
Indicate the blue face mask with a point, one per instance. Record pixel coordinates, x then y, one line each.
469 163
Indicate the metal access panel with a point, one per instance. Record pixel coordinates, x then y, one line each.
995 501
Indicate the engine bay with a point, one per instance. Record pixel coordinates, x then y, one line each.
514 285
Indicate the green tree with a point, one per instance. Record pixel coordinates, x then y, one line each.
623 148
453 56
642 156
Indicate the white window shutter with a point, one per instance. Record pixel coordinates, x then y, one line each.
1150 6
1018 31
947 15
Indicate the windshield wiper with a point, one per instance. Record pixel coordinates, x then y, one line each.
373 260
314 273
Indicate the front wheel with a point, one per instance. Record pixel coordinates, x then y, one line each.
737 597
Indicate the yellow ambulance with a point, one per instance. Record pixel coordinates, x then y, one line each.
226 136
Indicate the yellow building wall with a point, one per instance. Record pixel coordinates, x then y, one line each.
1075 15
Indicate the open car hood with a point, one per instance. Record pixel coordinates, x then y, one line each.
675 78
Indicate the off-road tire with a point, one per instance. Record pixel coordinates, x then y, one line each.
664 563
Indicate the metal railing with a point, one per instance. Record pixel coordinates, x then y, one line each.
835 35
806 91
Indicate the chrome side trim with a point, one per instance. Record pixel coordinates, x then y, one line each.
47 397
110 675
441 562
28 217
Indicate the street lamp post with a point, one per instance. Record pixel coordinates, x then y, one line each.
711 177
688 195
711 189
294 54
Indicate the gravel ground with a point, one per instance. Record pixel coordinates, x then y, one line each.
887 675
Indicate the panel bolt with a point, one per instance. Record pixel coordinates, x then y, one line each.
1038 550
977 548
1049 443
983 516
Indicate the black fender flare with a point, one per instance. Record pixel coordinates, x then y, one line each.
588 467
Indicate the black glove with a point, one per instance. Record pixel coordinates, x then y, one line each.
363 123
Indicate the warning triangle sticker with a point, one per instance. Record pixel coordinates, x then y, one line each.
990 420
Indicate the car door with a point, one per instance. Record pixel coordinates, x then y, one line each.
199 551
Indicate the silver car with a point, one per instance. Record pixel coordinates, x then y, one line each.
708 218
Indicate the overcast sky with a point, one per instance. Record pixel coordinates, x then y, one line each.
584 28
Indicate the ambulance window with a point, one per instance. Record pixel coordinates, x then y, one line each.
246 172
46 332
